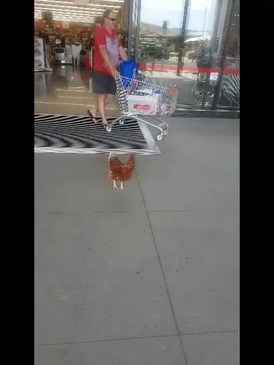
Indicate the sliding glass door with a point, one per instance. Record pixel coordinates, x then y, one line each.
188 43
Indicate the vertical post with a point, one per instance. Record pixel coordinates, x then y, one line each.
130 27
223 54
182 38
212 47
137 34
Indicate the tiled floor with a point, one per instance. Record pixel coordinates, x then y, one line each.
66 90
148 276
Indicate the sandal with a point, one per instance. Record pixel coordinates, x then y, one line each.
92 117
105 125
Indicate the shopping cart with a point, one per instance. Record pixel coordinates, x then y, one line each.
137 97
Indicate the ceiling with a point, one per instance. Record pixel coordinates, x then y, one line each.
82 11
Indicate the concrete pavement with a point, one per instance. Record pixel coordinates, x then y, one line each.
145 276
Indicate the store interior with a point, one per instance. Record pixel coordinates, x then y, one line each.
67 28
63 43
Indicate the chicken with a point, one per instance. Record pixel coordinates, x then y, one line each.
119 171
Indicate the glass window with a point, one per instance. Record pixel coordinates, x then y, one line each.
182 41
174 44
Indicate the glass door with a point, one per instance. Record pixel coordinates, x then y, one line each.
181 41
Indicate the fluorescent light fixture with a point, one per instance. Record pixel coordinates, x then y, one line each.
65 11
56 16
71 4
68 16
53 7
69 11
81 2
70 19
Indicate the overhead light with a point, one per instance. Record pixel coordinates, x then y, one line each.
71 18
67 15
69 11
90 12
81 2
52 7
71 4
76 19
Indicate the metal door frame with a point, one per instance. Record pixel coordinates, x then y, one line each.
134 9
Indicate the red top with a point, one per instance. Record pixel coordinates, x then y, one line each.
112 43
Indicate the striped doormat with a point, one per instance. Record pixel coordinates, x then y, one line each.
57 133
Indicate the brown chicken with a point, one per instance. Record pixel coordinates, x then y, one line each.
119 171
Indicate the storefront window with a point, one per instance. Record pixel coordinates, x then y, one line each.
190 43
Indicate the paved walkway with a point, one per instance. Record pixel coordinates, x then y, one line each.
149 276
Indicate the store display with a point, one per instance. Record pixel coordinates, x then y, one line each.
76 51
60 55
39 54
66 44
68 54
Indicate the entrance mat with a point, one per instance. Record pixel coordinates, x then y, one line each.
57 133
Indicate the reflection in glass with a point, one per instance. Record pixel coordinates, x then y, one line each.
191 43
230 83
175 43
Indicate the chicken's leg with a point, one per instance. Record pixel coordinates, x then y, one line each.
122 186
114 185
